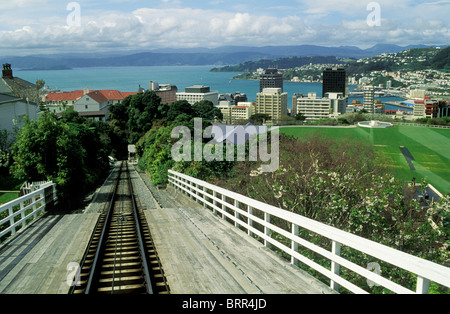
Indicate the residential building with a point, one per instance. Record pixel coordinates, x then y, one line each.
61 101
167 92
13 110
273 102
419 109
198 93
369 99
95 104
426 108
312 107
294 103
315 108
338 104
239 97
270 78
417 93
18 99
431 108
335 81
225 108
16 86
243 111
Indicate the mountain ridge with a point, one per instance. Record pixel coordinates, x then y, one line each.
220 56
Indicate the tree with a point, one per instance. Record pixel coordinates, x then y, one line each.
300 117
47 149
259 118
71 152
178 108
205 109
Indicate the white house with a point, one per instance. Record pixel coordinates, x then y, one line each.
16 97
95 104
13 110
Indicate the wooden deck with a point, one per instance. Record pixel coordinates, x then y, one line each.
203 254
37 261
200 253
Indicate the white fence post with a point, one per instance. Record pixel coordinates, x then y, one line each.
267 229
214 202
294 245
423 285
224 207
236 214
250 221
204 197
335 268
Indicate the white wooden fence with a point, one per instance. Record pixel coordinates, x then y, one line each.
229 204
18 213
29 187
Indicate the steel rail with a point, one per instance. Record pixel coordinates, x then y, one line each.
143 252
102 242
118 239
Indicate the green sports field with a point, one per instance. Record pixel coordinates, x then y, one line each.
430 148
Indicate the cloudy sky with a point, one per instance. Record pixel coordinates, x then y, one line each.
45 26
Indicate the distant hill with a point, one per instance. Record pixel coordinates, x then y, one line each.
442 60
228 55
280 63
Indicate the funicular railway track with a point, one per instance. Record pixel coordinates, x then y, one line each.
121 257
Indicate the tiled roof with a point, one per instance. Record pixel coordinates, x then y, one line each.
65 96
99 96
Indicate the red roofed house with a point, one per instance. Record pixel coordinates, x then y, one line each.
95 104
61 101
90 104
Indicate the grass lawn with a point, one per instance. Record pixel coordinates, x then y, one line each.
7 183
7 197
430 148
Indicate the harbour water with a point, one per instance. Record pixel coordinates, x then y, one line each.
129 79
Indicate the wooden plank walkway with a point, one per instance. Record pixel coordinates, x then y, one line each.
203 254
36 262
200 253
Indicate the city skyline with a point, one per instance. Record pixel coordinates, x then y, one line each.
50 26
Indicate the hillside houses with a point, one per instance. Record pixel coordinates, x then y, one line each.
90 104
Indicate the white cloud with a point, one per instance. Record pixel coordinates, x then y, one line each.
324 22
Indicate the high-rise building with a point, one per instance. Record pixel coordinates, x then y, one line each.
369 99
270 78
273 102
314 108
335 81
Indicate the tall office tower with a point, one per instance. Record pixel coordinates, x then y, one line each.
369 99
335 81
270 78
273 102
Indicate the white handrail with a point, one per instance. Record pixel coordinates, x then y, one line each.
36 202
425 270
